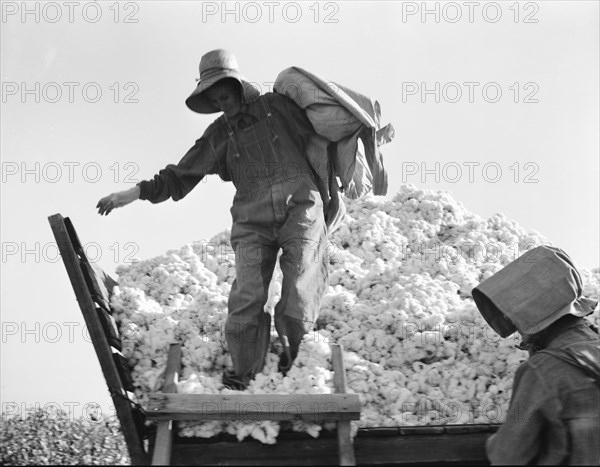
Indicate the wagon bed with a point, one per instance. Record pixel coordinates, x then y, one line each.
160 443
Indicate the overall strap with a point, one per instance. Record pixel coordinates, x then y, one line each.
231 136
266 107
265 104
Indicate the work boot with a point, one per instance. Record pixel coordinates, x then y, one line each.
231 381
286 360
291 332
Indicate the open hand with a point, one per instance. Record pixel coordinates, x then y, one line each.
117 200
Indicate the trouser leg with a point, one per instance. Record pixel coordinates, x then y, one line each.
305 271
247 327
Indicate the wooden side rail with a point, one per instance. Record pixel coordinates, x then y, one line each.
450 445
93 289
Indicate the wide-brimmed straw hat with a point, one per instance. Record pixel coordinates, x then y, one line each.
532 292
215 66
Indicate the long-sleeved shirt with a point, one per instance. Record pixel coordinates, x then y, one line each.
554 414
210 153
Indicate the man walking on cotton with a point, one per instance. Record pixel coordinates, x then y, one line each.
258 144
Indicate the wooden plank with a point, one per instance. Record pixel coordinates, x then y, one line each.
67 242
456 449
345 446
164 433
471 428
422 430
73 237
106 282
123 370
411 449
138 416
173 368
98 290
203 407
383 431
99 283
109 326
296 452
427 430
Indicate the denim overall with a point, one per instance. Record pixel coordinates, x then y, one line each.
276 206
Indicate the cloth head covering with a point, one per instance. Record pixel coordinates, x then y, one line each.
532 292
215 66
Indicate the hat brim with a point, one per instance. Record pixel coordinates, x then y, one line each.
198 102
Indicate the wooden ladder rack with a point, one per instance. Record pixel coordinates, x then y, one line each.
168 406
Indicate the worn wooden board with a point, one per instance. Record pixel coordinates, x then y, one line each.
204 407
161 454
109 326
73 257
99 283
345 445
371 447
123 370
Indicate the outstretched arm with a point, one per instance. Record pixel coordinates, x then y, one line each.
117 200
174 181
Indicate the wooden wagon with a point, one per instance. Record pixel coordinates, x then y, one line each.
160 444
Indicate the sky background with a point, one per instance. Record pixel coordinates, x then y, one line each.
64 145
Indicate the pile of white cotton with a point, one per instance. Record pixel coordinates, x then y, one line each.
417 351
